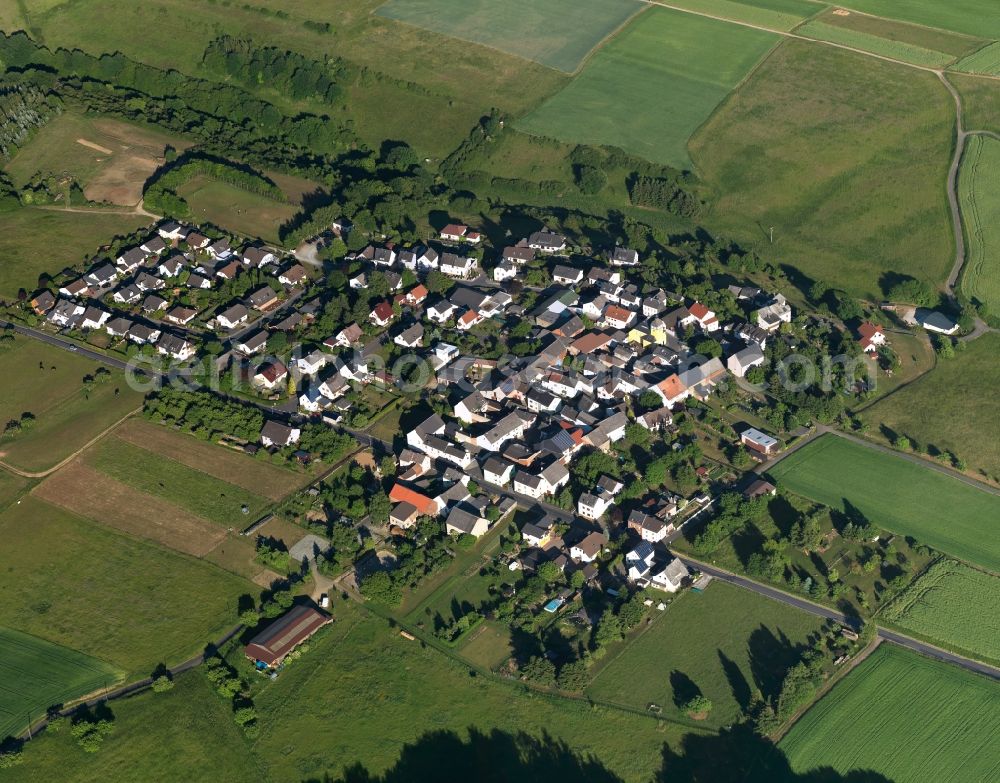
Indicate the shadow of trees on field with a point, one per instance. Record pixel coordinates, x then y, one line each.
733 756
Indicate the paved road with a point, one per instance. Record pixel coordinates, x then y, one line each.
831 614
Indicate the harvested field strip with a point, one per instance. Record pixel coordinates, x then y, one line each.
36 674
187 488
776 14
979 196
223 463
897 50
986 60
897 494
953 605
83 490
903 716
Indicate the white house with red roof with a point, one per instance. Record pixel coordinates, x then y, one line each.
871 337
706 318
382 314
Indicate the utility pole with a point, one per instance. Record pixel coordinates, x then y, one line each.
771 230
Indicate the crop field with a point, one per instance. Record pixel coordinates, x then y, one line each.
84 490
898 495
944 410
556 33
844 156
775 14
979 196
111 159
986 60
223 463
381 691
954 606
50 386
187 733
971 17
36 674
183 486
11 485
235 209
724 643
980 101
35 240
858 39
903 716
80 585
653 85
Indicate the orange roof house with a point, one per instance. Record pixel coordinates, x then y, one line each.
403 494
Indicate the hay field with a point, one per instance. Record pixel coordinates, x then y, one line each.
979 197
651 87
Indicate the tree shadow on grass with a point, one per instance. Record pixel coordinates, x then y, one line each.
734 755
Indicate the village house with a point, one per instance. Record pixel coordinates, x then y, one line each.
175 347
181 316
233 316
706 318
566 275
279 435
259 257
743 361
252 343
458 266
271 375
624 256
547 242
760 442
871 337
778 312
382 315
589 549
263 298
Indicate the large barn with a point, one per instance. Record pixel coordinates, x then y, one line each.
271 646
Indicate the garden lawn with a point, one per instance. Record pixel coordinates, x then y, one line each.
67 417
723 643
35 240
556 33
843 156
903 716
127 602
979 196
362 692
187 487
944 410
971 17
776 14
954 606
651 87
897 494
35 675
184 734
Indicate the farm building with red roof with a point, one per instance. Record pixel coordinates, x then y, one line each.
272 645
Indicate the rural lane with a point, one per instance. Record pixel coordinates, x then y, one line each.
831 614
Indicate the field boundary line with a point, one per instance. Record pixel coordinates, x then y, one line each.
643 8
71 457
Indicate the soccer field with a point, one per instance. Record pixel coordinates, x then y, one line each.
898 495
906 717
653 85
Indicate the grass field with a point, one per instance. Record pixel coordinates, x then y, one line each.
35 240
556 33
11 485
223 463
120 158
980 101
971 17
650 88
66 417
184 734
131 604
897 495
726 641
844 156
954 606
234 209
187 487
36 674
979 196
859 39
363 691
945 409
986 60
457 81
775 14
906 717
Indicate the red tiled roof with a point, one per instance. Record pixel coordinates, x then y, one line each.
383 311
671 387
614 312
402 494
284 635
699 311
454 229
417 293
